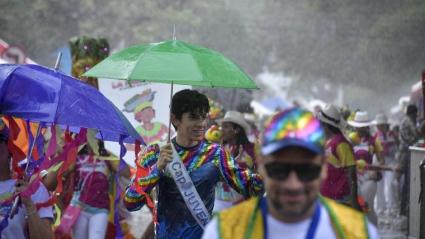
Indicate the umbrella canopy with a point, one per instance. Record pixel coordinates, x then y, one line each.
41 94
173 62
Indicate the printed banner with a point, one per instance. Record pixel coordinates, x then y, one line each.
146 106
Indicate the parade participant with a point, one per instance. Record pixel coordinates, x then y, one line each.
29 221
91 191
387 195
366 149
235 131
408 135
341 182
293 166
206 164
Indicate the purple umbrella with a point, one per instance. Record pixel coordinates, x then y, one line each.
44 95
41 94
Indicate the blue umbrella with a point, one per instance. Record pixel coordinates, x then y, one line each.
41 94
47 96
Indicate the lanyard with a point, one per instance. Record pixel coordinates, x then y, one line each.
312 228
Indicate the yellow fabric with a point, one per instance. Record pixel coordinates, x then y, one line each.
143 106
352 222
234 222
58 215
378 146
344 156
93 141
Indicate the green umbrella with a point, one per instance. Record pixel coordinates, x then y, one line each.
173 62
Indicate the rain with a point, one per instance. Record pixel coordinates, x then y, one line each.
359 55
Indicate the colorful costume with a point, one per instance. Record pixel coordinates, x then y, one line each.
87 52
340 156
367 185
225 196
246 220
91 194
387 194
207 164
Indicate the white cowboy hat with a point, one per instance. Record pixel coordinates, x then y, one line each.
331 115
236 118
380 119
361 119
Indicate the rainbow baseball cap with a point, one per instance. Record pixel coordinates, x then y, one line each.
293 127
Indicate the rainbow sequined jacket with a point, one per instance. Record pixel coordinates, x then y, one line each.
207 164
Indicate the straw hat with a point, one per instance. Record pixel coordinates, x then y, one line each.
380 119
331 115
361 119
236 118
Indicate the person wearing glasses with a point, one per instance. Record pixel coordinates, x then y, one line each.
293 166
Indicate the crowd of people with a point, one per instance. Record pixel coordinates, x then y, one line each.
324 174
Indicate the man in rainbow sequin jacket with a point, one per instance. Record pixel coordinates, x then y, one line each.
207 164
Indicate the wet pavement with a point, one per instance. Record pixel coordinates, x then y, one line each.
392 226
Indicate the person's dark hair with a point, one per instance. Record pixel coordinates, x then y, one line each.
189 101
241 137
411 109
331 128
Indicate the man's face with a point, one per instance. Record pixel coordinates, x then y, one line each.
363 131
289 196
191 127
383 127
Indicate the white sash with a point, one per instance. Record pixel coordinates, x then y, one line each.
187 189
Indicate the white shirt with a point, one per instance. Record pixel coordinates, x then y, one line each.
15 229
276 229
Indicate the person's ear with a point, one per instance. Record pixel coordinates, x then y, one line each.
174 120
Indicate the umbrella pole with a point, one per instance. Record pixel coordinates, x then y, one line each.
32 146
169 121
17 199
58 61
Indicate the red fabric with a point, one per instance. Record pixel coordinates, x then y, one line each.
143 172
52 144
336 185
68 219
17 154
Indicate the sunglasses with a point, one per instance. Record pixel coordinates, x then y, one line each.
281 171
